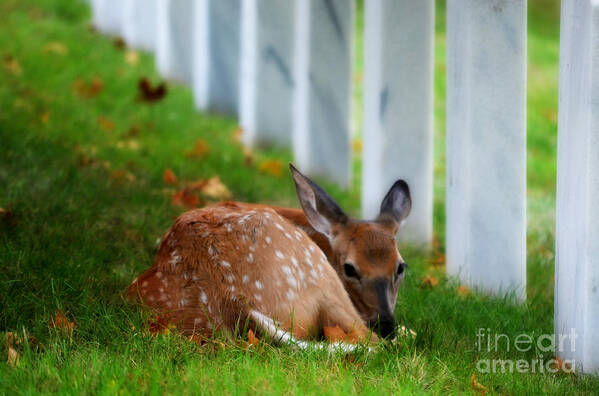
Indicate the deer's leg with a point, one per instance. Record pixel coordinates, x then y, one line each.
337 310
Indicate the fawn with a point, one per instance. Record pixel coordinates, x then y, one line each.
283 271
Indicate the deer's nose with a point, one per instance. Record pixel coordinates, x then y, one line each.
384 324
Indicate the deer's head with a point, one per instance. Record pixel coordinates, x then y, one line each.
364 253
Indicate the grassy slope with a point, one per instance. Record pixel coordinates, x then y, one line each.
77 236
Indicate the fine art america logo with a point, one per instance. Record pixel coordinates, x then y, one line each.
546 345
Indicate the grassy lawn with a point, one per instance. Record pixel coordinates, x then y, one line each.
84 202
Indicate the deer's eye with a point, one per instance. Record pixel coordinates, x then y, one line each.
401 268
350 271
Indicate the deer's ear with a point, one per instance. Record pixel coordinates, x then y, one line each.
320 209
396 205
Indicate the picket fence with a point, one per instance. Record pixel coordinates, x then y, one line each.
284 69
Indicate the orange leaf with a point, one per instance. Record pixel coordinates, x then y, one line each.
88 90
560 365
237 134
429 282
120 175
252 339
199 150
215 189
169 177
464 291
106 124
132 58
273 167
185 198
62 323
477 386
45 117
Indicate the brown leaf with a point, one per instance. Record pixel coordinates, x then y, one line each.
119 43
464 291
62 323
215 189
273 167
121 175
160 326
13 357
200 149
334 334
237 134
169 176
12 65
45 117
148 93
132 58
559 365
105 124
90 90
429 282
185 198
248 156
477 386
56 48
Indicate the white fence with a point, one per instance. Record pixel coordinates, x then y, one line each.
285 68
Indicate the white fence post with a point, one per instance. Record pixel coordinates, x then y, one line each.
216 53
577 213
139 23
107 16
486 144
322 68
398 108
174 46
266 71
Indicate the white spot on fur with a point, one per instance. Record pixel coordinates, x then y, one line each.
301 275
286 270
314 274
232 288
151 298
279 255
245 279
228 227
298 235
183 302
158 274
258 297
144 284
230 278
252 248
268 240
259 285
290 295
294 261
250 258
197 321
225 264
288 236
211 251
311 248
161 289
280 227
204 297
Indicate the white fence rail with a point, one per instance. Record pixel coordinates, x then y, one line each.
284 67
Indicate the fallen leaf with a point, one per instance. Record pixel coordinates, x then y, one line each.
161 326
106 124
477 386
185 198
12 65
150 94
62 323
252 339
45 117
200 149
248 156
90 90
237 134
464 291
357 146
120 175
13 357
429 282
132 58
169 177
130 144
559 365
215 189
273 167
119 43
56 48
550 114
403 331
437 258
133 131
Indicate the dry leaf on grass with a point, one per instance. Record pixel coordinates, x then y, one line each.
429 282
477 386
45 117
61 323
119 43
90 90
252 339
561 366
121 175
464 291
132 58
169 176
56 47
105 124
12 65
200 149
237 134
273 167
403 331
357 146
185 198
160 326
148 93
248 156
130 144
215 189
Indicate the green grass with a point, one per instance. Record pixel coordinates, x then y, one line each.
76 235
